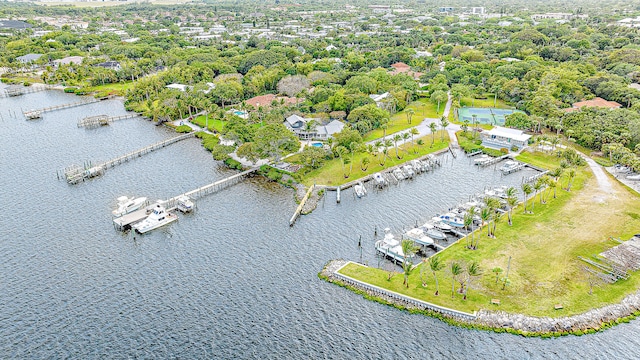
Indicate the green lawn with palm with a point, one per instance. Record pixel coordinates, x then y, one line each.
543 246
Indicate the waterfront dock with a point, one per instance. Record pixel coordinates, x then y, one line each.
91 122
17 90
75 174
124 222
494 160
30 113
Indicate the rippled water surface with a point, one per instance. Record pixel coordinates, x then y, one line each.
231 280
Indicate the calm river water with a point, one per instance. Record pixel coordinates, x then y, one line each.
231 280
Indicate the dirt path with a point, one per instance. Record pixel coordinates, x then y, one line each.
604 183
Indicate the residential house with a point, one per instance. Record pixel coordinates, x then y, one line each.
595 102
382 100
402 68
316 131
111 65
68 61
29 58
501 137
176 86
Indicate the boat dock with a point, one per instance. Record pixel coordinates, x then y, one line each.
124 222
17 90
474 153
494 160
301 205
515 169
29 113
92 122
76 174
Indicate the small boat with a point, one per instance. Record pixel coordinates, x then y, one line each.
184 204
33 114
380 180
633 177
127 205
440 225
158 217
452 220
509 166
390 247
418 236
398 174
360 190
481 159
408 171
435 234
417 165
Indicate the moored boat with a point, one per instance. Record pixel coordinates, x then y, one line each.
184 204
127 205
158 217
360 190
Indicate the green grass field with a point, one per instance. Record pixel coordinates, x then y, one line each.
331 172
398 122
544 249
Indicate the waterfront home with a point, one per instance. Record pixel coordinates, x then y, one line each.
312 129
111 65
501 137
29 58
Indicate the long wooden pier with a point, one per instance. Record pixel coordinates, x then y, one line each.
124 222
301 205
58 107
76 174
17 90
91 122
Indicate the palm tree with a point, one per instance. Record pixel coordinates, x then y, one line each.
536 187
444 123
364 163
544 179
341 151
571 174
408 249
526 190
436 265
413 132
378 144
455 269
475 125
472 213
405 137
352 149
396 138
467 221
512 201
496 216
473 271
485 215
433 128
387 144
465 125
410 112
553 184
384 130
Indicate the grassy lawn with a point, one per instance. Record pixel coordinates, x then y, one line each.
423 109
543 247
331 172
119 89
213 124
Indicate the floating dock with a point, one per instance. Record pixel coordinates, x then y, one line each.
92 122
76 174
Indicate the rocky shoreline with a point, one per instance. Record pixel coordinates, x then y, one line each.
589 322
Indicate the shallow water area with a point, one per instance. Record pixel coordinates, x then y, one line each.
231 280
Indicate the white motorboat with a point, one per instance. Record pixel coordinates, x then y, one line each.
158 217
509 166
127 205
440 225
360 190
184 204
481 159
633 177
452 220
390 247
408 171
380 180
430 230
417 235
398 174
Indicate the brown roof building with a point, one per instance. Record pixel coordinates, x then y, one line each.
595 102
402 68
266 100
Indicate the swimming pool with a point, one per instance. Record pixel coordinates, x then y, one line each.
239 113
491 116
316 144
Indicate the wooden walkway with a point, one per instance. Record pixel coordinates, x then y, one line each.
92 122
494 160
76 174
17 90
59 107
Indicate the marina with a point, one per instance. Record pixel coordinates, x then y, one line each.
80 289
